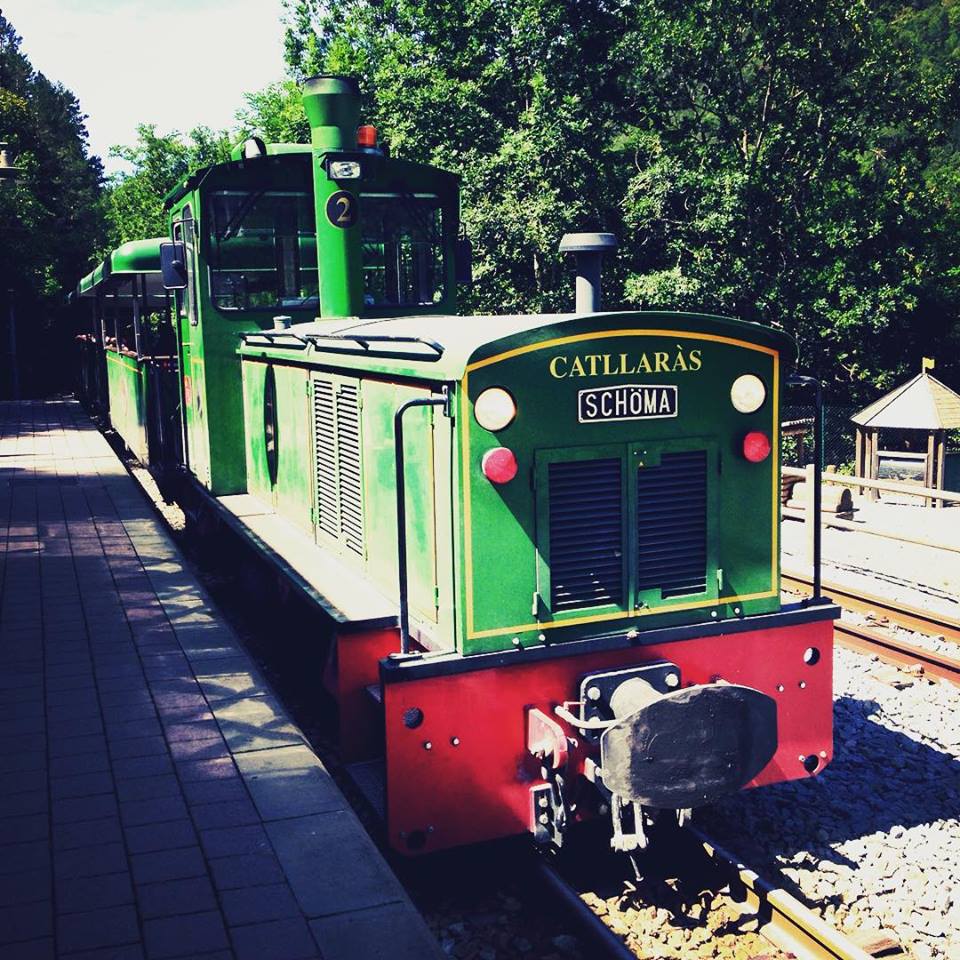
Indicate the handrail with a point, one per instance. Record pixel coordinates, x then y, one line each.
891 486
363 342
431 401
346 343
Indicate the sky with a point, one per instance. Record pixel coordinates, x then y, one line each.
174 63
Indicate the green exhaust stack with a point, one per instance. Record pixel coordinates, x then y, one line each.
332 105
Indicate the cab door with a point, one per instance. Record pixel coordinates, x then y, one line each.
196 454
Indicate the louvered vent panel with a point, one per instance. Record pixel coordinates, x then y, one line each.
348 461
326 454
586 533
672 524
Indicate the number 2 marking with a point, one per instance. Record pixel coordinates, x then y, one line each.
342 209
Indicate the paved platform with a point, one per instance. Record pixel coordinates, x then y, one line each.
155 799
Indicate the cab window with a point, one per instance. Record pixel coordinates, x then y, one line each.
262 250
403 255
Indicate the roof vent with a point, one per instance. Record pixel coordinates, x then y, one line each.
589 248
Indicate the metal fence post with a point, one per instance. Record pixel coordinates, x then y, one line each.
811 517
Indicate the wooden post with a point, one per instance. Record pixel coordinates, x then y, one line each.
941 463
928 471
810 519
859 448
874 461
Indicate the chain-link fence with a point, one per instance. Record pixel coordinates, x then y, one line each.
838 438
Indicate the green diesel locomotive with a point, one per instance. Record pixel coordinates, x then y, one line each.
548 545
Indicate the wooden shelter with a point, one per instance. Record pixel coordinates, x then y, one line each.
923 405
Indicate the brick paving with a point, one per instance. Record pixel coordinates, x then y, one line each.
155 799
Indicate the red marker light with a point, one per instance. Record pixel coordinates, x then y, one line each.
756 446
367 136
499 465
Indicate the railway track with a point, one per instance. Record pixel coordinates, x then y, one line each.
888 647
781 920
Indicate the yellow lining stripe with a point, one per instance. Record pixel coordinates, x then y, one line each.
121 360
645 612
473 634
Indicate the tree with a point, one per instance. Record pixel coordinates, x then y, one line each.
781 154
51 216
785 163
157 161
503 92
275 113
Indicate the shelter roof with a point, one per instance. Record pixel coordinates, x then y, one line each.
923 403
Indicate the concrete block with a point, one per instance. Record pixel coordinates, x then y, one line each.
26 921
129 767
156 810
246 870
146 788
230 841
256 723
75 809
89 861
289 782
106 927
77 895
167 865
69 836
185 936
152 837
175 897
332 864
227 813
288 939
394 931
258 904
27 886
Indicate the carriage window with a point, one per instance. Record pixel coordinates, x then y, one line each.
402 249
157 336
120 313
262 250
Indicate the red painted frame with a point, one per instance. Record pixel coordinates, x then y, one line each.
472 782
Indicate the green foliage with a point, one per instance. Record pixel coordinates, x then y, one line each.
156 162
782 159
786 163
275 114
51 214
504 93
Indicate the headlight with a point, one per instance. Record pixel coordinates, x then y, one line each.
748 393
494 409
344 170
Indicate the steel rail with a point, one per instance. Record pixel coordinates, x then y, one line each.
784 920
599 936
891 649
903 614
896 651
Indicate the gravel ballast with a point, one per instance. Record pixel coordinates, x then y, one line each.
873 842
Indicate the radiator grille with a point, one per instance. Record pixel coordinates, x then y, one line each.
336 415
586 533
348 463
328 516
672 524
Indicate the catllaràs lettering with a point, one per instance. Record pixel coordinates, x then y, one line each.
618 364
